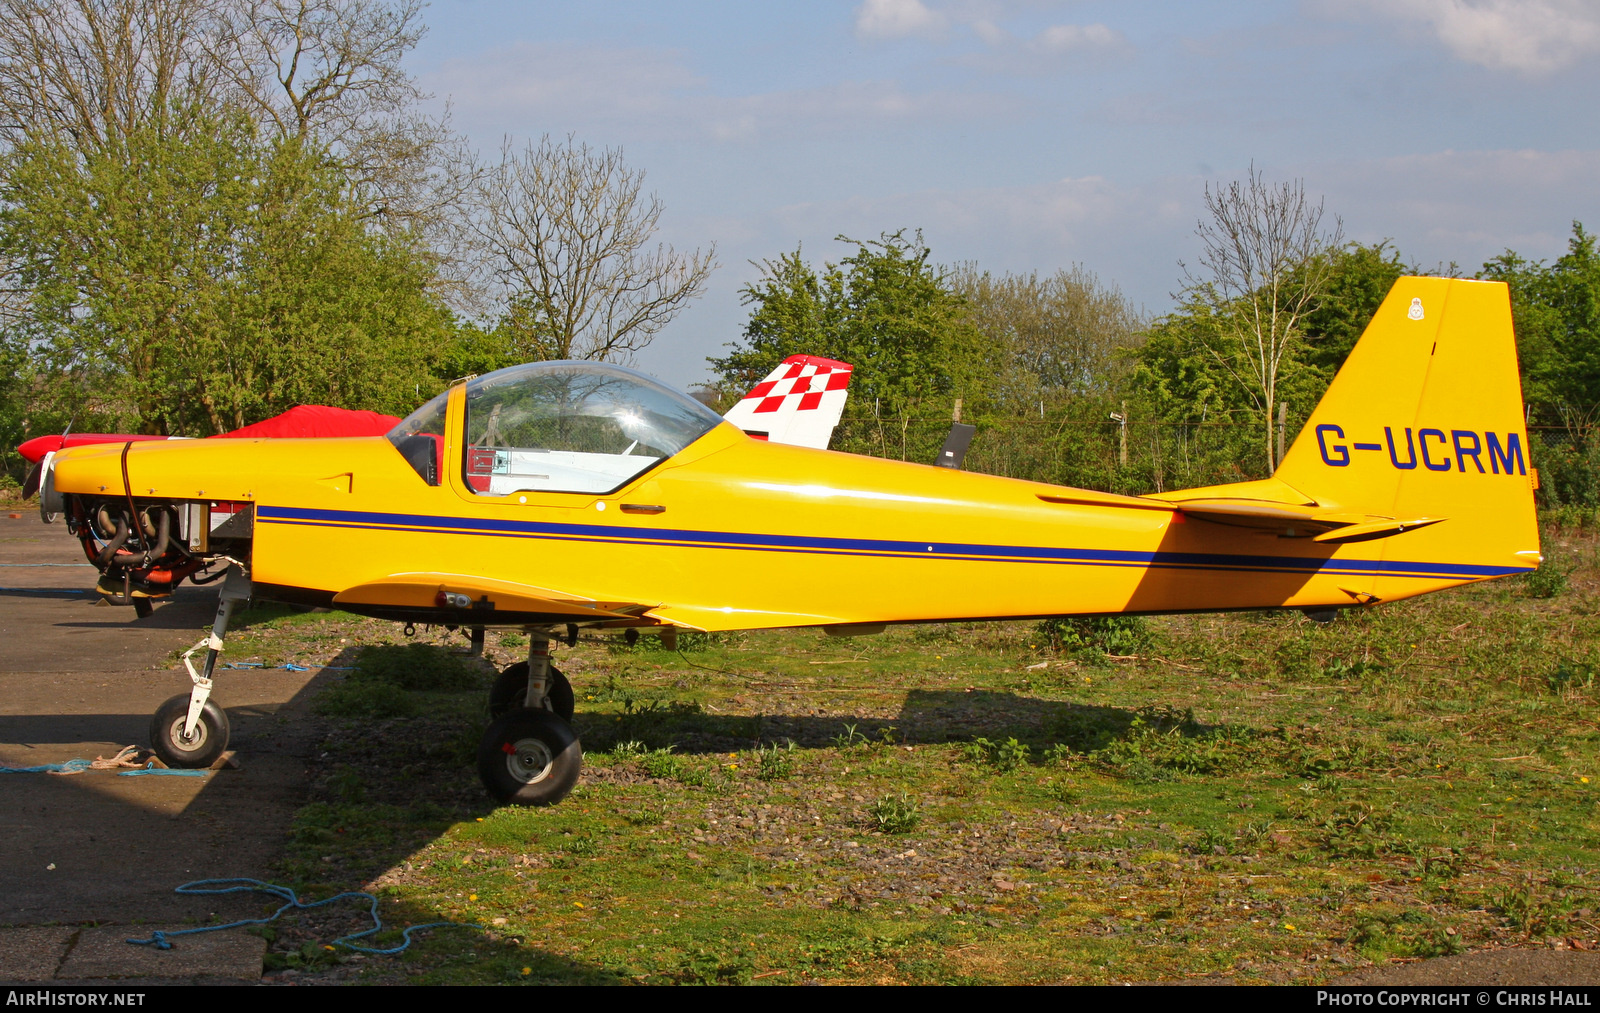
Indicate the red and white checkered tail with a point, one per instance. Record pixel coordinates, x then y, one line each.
799 403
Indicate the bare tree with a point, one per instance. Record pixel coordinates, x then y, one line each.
1049 337
328 72
94 70
1263 266
564 232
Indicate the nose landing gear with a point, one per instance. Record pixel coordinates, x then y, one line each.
190 730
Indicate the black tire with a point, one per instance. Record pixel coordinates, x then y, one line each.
529 757
142 608
166 734
510 692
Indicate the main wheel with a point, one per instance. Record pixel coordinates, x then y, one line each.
210 734
510 691
529 757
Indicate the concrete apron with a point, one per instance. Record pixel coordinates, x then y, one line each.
89 860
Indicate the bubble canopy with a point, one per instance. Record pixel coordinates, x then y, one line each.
580 427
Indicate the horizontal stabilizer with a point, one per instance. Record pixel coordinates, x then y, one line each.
1289 519
1375 529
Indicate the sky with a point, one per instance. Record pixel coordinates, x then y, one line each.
1030 135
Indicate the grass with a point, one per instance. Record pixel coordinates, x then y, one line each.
1254 797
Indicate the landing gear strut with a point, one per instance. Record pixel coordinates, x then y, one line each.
530 755
190 730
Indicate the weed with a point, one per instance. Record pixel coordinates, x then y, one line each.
704 967
1444 864
1339 668
1094 638
1548 581
662 763
1162 743
698 775
1571 675
387 678
1002 756
1524 910
1060 753
849 738
1384 934
1357 830
687 643
1062 792
774 762
347 785
895 814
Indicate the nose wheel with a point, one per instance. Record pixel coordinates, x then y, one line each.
199 748
190 730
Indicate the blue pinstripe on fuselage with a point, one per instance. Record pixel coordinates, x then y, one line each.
887 548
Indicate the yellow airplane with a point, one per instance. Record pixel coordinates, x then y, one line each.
571 495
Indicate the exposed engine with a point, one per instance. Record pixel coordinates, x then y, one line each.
145 548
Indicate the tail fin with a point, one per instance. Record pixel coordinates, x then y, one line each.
798 403
1425 421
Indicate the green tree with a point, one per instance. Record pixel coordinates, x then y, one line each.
885 309
1359 277
187 283
1181 377
1048 338
1556 310
1557 315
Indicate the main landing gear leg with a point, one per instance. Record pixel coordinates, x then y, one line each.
190 730
530 754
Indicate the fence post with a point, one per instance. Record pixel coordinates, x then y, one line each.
955 416
1122 438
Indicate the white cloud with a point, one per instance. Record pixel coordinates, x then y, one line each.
652 94
1465 206
547 88
1052 49
1062 39
898 19
1531 36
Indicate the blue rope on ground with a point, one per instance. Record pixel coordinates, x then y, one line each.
212 887
288 666
163 772
69 767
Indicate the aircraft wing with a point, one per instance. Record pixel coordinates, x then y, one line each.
466 594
